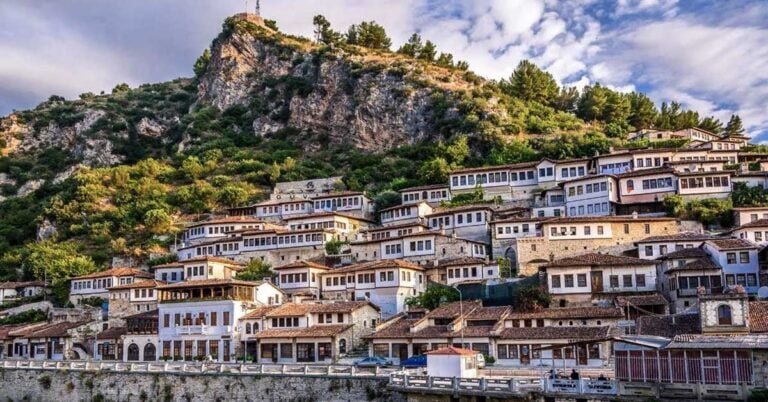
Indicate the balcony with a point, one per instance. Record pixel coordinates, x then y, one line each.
192 330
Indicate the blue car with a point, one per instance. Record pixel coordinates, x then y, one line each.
374 361
414 362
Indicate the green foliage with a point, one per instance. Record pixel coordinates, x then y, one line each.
530 298
745 196
758 395
412 47
57 263
734 126
25 317
94 301
271 24
201 64
435 295
369 34
324 33
256 270
334 247
475 197
121 88
709 211
530 83
712 125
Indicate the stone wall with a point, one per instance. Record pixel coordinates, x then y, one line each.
51 385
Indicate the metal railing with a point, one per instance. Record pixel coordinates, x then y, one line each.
202 368
504 385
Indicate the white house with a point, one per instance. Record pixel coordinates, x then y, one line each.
300 277
590 196
653 247
11 291
469 221
754 231
404 214
452 362
97 284
738 259
432 194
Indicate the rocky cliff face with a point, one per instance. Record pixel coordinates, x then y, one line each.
370 101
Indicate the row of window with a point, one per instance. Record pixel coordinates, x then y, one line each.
387 234
572 231
93 284
651 162
402 212
296 278
432 195
588 189
338 202
702 182
280 240
498 177
468 272
743 257
393 249
204 348
567 281
589 209
509 229
201 318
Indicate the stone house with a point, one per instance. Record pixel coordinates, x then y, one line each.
653 247
755 231
405 214
217 228
744 215
61 340
420 247
683 274
133 298
432 194
11 291
300 277
468 221
738 260
308 332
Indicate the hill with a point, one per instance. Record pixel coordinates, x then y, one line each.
117 174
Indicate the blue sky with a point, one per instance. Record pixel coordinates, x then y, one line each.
710 55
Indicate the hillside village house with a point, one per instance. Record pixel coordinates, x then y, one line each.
432 194
135 341
132 298
644 190
97 284
453 271
684 274
198 267
343 226
353 203
697 185
12 291
590 196
307 332
584 279
468 222
746 215
217 228
654 247
738 260
300 277
548 203
569 236
198 316
754 231
58 340
386 283
405 214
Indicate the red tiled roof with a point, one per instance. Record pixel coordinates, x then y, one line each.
655 299
301 264
300 309
668 326
596 259
199 259
698 264
208 282
758 316
452 310
682 236
452 262
112 333
690 252
258 312
151 283
315 331
753 224
16 285
489 313
598 219
569 312
378 264
731 244
119 272
452 351
582 333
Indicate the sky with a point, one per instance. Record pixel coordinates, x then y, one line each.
712 56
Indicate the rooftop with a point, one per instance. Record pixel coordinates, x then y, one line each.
150 283
689 252
569 312
452 351
301 264
682 236
117 272
379 264
199 259
425 187
208 282
571 333
596 259
731 244
315 331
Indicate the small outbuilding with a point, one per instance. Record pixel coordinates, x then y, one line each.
452 362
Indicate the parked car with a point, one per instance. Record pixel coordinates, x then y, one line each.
374 361
414 361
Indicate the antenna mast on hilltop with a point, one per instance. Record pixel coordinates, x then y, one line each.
246 7
258 8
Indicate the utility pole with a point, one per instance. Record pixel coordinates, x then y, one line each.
246 7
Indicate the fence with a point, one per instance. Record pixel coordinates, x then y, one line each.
202 368
503 385
726 367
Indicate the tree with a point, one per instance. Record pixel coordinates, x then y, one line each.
412 47
158 221
369 34
457 151
233 195
531 298
57 263
256 270
643 112
333 246
462 65
324 33
435 170
201 64
271 24
566 99
711 124
529 83
428 52
445 60
734 126
120 88
435 295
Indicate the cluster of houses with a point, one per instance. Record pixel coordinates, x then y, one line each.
593 230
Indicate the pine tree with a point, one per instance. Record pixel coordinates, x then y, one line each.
324 33
428 52
445 60
711 124
734 126
643 112
369 34
528 82
412 47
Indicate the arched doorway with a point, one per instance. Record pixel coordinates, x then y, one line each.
149 352
342 346
133 352
511 256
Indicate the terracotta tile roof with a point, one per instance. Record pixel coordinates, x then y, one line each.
463 208
706 173
426 187
25 329
655 299
119 272
394 227
398 329
513 166
324 214
452 351
682 236
208 282
48 330
453 309
596 259
315 331
645 172
258 312
300 309
227 219
150 283
754 224
112 333
379 264
6 329
758 316
668 326
489 313
570 312
581 333
200 259
435 232
731 244
301 264
16 285
696 265
685 253
144 314
458 261
338 194
599 219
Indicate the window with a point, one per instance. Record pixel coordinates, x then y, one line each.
626 228
730 258
630 186
599 230
724 315
744 257
647 228
614 281
555 281
582 280
640 279
568 281
648 251
627 279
